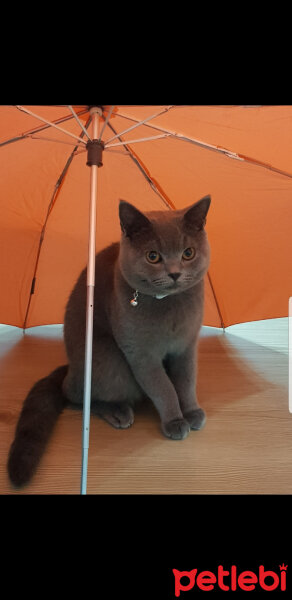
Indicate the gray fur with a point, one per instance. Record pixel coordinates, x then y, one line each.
148 350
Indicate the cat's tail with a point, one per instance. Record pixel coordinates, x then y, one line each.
40 411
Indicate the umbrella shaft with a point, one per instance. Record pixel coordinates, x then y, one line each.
89 313
87 385
89 328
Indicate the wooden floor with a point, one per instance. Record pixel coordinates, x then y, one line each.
244 448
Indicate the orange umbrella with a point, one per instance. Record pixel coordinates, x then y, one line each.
239 155
154 157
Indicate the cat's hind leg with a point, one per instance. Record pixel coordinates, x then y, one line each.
118 414
114 389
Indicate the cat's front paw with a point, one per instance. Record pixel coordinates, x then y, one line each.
196 418
178 429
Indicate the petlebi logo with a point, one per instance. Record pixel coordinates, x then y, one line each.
231 579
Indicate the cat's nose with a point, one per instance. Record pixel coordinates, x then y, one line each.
174 276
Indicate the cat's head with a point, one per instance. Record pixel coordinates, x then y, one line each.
164 252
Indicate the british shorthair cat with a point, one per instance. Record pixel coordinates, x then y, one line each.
148 311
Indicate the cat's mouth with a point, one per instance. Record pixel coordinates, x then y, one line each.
164 288
168 289
174 286
164 291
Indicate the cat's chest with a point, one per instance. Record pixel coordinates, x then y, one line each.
171 334
156 327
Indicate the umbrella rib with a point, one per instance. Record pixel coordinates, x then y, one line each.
216 301
138 123
23 136
144 171
154 137
221 150
32 136
79 122
51 124
106 121
168 203
50 208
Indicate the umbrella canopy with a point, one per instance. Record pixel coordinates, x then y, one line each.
240 155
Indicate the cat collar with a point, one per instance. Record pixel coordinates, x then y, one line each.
134 301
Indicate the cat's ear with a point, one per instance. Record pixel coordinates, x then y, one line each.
195 215
132 220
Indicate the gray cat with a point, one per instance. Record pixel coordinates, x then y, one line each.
148 310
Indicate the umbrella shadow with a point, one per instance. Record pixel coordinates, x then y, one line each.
231 368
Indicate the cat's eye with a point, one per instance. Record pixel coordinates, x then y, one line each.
189 253
153 257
